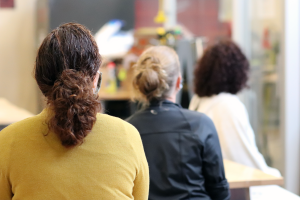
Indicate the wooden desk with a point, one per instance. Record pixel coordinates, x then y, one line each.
241 177
119 95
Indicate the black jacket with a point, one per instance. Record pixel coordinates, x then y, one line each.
183 153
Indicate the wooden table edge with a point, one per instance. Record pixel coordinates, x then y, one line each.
244 184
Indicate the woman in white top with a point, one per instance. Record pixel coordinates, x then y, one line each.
220 74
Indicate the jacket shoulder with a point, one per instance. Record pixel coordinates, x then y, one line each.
195 115
135 118
199 122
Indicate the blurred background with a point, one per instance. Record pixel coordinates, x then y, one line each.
267 31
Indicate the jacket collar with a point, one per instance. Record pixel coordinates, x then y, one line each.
165 102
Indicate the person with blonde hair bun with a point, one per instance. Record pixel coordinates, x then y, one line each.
181 146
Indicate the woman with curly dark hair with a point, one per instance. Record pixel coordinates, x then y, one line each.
70 151
221 73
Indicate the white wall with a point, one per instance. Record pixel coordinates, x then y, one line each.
291 90
17 54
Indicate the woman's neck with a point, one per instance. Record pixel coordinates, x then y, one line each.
172 98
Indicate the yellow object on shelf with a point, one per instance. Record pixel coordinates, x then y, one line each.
122 74
160 17
111 87
160 31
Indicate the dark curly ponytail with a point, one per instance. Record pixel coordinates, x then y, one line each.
66 65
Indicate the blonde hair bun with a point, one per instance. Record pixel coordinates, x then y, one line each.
155 74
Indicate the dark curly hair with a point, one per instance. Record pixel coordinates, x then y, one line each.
66 65
222 68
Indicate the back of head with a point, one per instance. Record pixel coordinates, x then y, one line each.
156 72
66 65
222 68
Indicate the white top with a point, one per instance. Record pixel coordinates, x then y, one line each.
9 113
235 132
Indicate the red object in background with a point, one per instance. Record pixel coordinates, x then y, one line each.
266 39
111 65
7 3
198 16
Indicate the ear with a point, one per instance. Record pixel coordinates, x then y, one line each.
95 81
178 83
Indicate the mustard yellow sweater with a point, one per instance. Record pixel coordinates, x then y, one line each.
110 164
